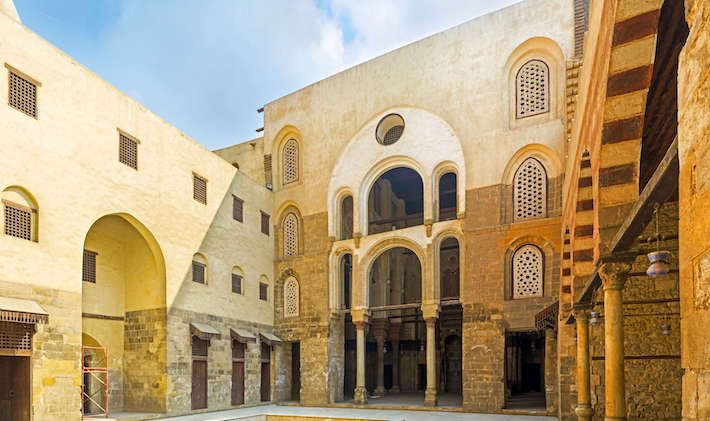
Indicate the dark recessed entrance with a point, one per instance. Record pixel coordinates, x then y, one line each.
525 370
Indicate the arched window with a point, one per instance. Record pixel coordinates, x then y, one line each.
530 191
290 233
199 268
532 89
346 218
346 268
447 197
19 214
291 297
528 270
237 280
289 164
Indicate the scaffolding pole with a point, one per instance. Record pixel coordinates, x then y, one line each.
95 370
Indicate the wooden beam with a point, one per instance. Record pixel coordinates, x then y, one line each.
661 186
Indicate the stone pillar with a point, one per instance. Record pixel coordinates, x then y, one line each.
360 390
430 394
379 327
613 277
584 399
394 339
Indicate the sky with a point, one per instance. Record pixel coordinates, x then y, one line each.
206 66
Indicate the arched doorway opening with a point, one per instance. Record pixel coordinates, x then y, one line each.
395 201
124 310
395 348
345 272
450 323
449 272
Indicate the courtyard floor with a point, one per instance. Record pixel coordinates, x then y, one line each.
365 414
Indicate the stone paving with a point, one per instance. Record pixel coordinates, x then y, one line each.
364 414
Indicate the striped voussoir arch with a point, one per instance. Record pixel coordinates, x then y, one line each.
629 77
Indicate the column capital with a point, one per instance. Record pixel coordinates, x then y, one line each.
360 315
430 310
614 275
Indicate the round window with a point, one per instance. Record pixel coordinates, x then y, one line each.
389 129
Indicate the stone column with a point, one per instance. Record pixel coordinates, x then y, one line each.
360 390
584 399
394 339
613 277
430 394
379 327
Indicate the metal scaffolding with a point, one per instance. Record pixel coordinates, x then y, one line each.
94 382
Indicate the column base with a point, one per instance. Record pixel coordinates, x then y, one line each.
607 418
584 412
430 397
360 395
380 391
394 389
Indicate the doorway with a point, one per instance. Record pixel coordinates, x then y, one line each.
525 369
265 372
199 373
15 388
296 371
237 372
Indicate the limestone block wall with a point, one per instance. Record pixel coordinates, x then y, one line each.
219 363
483 345
320 340
83 114
145 360
488 310
693 149
55 363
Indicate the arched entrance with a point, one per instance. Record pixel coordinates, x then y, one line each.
395 348
124 312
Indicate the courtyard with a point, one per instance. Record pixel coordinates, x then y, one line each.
295 413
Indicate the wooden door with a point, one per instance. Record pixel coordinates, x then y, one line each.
15 388
265 372
199 384
265 382
237 382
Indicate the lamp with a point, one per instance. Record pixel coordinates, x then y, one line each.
594 318
659 259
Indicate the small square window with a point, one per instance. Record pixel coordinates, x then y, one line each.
263 291
265 223
127 151
199 189
198 272
88 267
237 283
22 94
237 209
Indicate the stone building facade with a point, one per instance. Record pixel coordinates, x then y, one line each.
464 221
